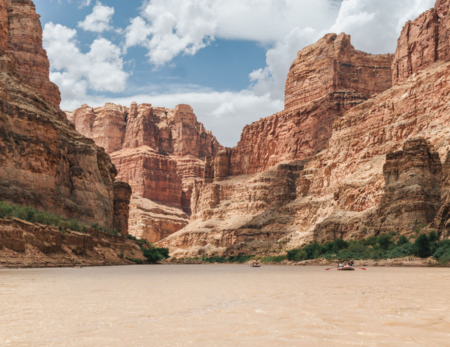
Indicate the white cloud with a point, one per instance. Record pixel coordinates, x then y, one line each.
224 118
85 3
374 26
101 69
99 20
168 28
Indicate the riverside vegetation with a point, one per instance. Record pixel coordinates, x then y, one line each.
387 246
32 215
381 247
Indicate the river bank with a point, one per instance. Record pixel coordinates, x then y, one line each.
398 262
30 245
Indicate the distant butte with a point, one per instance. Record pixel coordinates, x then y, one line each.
160 152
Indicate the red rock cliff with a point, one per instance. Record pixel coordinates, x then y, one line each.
380 171
159 152
22 43
423 42
327 79
44 162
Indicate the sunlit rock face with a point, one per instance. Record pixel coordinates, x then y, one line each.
381 166
44 162
160 152
325 80
423 42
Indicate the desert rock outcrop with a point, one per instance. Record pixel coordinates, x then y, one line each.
160 152
24 244
44 162
327 79
423 42
378 170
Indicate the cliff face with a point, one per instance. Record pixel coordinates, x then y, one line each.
44 162
327 79
21 46
159 152
379 171
423 42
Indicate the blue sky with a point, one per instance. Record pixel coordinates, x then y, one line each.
228 59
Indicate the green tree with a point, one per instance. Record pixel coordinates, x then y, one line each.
422 246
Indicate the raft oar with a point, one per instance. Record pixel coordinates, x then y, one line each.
331 268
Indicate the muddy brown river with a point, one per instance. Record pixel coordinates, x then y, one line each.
224 305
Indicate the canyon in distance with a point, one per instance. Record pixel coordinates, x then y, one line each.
359 151
112 216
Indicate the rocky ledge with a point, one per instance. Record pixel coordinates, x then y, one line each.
24 244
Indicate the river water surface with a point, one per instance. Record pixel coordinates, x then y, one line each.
224 305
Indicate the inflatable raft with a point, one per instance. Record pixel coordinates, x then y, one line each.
346 268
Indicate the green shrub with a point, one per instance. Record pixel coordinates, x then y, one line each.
239 259
442 253
154 255
370 241
402 240
402 251
385 242
422 246
433 237
339 244
137 261
297 254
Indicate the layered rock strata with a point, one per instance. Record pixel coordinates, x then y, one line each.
21 49
122 196
24 244
44 162
152 221
327 79
380 171
159 152
423 42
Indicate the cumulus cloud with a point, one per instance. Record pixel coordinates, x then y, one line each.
101 69
374 26
99 20
168 28
85 3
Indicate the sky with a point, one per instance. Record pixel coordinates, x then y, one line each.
227 59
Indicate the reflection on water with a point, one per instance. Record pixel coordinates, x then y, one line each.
224 305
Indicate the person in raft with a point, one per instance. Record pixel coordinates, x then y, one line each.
350 263
341 265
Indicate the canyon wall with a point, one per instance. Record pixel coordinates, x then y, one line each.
160 152
423 42
383 167
44 162
326 79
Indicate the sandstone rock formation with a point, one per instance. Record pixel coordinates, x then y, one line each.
412 193
22 55
327 79
159 152
376 171
152 221
24 244
122 196
44 162
423 42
